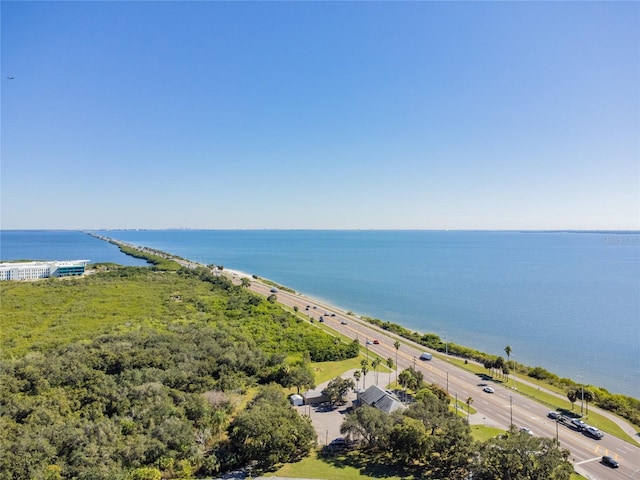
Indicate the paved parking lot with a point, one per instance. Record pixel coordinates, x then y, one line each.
326 419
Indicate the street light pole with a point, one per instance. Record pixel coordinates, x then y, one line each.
446 344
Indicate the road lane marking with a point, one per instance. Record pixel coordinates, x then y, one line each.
588 460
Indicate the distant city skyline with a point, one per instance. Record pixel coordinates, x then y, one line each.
320 115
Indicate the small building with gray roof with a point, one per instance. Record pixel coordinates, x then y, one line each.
381 399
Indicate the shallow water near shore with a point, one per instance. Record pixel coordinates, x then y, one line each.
568 302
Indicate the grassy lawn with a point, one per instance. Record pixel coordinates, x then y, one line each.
341 467
481 433
326 371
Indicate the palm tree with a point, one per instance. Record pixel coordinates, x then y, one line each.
405 379
588 397
469 402
364 366
572 396
396 344
374 364
357 375
498 363
390 365
508 351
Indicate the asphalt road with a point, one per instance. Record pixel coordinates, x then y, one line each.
499 409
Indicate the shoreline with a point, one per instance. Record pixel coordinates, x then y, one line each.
240 274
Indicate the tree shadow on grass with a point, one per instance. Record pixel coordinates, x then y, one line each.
368 462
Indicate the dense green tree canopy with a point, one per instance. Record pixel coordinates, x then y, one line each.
338 388
519 456
270 432
129 370
428 440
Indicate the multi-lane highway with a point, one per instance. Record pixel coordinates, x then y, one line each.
500 409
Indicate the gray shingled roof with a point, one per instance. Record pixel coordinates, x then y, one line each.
375 396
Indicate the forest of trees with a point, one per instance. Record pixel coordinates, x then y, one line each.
151 396
428 440
142 374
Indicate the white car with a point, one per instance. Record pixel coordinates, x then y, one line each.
488 390
526 430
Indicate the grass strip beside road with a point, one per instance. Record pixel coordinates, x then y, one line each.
541 395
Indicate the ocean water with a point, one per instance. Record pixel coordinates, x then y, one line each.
568 302
60 245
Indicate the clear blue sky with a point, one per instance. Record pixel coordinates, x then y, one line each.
385 115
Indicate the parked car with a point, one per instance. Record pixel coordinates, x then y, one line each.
609 462
338 443
488 390
594 432
579 424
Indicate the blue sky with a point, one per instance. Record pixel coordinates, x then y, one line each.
345 115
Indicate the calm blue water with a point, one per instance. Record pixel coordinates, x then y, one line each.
568 302
60 245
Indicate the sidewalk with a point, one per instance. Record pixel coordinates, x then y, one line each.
627 427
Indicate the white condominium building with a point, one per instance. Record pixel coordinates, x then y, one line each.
35 270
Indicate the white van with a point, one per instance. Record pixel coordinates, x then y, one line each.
426 356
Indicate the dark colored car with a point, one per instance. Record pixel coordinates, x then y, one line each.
376 342
578 424
609 462
339 443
